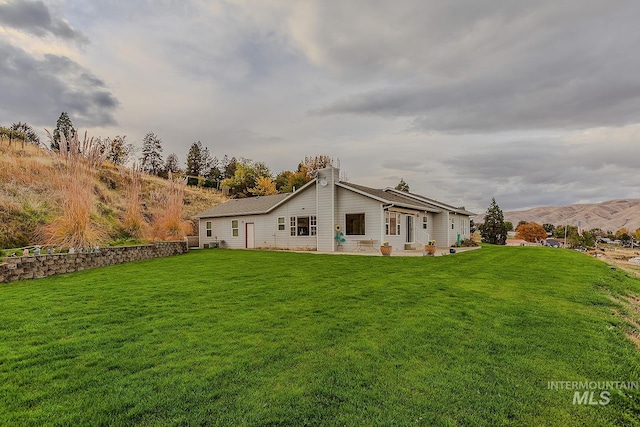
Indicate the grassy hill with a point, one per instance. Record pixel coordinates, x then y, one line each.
220 337
28 198
611 215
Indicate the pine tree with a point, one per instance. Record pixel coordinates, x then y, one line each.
194 160
64 126
151 160
117 151
402 186
494 230
32 136
230 167
172 165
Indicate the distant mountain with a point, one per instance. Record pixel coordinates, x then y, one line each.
611 215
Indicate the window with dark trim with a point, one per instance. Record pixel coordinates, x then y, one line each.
303 225
354 224
392 223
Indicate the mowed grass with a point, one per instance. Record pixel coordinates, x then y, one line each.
222 337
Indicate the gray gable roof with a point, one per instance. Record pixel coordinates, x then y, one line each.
459 210
264 204
392 197
249 206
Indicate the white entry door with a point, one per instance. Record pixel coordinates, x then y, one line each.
251 235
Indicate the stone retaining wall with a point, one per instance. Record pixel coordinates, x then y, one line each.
35 267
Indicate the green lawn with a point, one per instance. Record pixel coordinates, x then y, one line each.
221 337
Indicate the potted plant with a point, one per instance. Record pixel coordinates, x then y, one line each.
385 249
430 247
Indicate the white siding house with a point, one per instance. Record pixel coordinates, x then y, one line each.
329 215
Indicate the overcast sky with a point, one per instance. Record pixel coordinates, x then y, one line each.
533 103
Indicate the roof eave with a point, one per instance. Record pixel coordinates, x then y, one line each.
292 194
362 193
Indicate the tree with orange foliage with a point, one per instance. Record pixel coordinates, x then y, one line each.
531 232
264 187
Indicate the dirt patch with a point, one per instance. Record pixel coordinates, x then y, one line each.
618 257
628 309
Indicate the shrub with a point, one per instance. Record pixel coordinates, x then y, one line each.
133 221
167 222
468 243
75 226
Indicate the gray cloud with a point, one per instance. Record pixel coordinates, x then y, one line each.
547 171
514 66
35 18
39 89
527 102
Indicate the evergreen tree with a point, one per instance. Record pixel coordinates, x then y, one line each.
214 175
194 160
549 228
64 126
172 164
494 230
230 167
151 160
32 136
206 162
402 186
117 151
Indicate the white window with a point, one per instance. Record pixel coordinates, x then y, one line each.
292 225
452 223
425 220
209 233
234 228
392 223
281 224
303 225
313 225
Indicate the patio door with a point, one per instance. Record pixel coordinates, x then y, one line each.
410 237
250 234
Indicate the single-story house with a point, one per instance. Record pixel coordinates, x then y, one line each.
329 215
554 243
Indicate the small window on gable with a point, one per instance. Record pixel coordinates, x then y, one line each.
209 233
281 224
234 228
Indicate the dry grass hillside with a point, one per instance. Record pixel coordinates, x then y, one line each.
29 198
609 216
